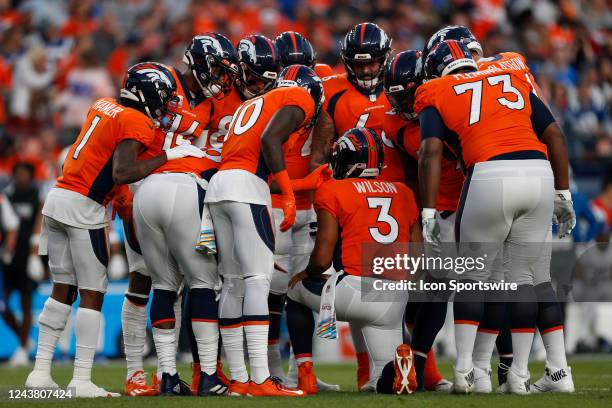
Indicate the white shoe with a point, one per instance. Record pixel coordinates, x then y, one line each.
444 385
554 380
518 384
19 358
87 389
482 380
463 381
37 379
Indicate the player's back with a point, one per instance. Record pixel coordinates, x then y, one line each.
369 211
512 61
489 111
88 166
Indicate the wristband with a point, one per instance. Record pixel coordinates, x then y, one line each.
428 213
34 239
564 195
284 182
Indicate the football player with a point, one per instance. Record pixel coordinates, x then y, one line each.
403 75
210 72
550 315
239 200
104 155
293 247
527 155
350 212
167 242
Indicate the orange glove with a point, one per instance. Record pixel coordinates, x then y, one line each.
122 203
313 180
287 198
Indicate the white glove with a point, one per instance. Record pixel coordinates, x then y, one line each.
184 150
563 213
35 268
431 229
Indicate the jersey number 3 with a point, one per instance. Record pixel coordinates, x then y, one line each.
384 203
476 100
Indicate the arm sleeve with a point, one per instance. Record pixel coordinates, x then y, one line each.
432 124
325 199
541 116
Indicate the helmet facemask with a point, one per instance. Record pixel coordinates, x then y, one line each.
372 80
250 78
215 77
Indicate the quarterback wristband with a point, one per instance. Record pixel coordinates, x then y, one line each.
284 182
428 213
564 195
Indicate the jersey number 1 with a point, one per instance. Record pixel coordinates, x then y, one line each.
476 99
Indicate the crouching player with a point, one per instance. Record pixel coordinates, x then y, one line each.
352 210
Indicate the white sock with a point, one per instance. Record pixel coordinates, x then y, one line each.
166 350
465 336
554 342
275 363
51 322
134 325
521 347
483 349
87 333
257 346
207 338
232 339
178 315
303 358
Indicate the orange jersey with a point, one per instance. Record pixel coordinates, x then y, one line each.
242 148
88 168
297 162
323 70
368 212
349 108
187 126
405 135
489 111
222 111
512 61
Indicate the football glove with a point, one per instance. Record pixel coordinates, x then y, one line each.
184 150
563 213
431 229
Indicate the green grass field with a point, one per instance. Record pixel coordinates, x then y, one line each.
592 376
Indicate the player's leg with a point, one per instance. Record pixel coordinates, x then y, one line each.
52 320
278 290
503 343
153 209
557 376
200 273
230 302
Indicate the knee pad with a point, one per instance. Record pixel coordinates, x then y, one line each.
162 307
203 306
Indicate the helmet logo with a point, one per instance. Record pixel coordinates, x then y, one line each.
156 75
208 41
249 48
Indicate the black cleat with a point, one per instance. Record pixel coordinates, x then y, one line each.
172 385
210 385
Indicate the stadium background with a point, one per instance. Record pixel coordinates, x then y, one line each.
58 56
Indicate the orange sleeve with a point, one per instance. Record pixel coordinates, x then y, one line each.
325 199
323 70
136 126
425 96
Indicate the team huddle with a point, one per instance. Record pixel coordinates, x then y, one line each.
248 183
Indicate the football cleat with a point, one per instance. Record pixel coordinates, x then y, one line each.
210 385
291 380
37 379
463 381
482 381
444 385
404 381
272 387
136 386
87 389
195 378
518 384
554 380
307 380
221 375
238 389
172 385
155 383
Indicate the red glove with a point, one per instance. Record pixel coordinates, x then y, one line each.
287 198
313 180
122 203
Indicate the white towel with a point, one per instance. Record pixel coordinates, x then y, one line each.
326 326
206 242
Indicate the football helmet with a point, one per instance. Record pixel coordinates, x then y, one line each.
366 42
403 74
259 62
295 49
357 153
305 77
447 57
454 32
148 87
213 61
